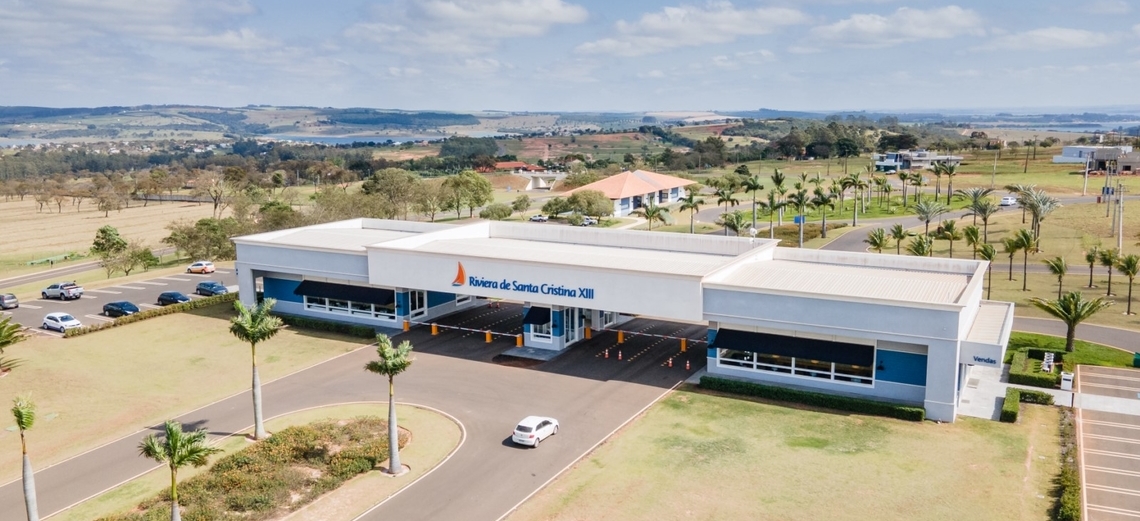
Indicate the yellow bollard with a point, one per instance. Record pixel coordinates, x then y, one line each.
434 329
684 344
621 337
518 341
488 336
407 325
589 333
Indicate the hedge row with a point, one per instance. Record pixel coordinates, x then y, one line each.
155 312
1014 397
1069 482
317 324
829 401
1022 373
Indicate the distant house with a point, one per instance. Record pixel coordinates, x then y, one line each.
912 160
1128 163
1095 156
517 166
632 190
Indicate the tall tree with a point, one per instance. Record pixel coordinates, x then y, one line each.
521 204
1058 268
899 234
920 246
778 187
10 334
1092 256
773 205
392 361
823 200
1108 258
1010 246
800 201
254 326
877 239
949 170
692 204
985 209
928 210
652 213
725 195
973 238
1072 309
950 233
988 253
1027 243
177 449
751 184
735 221
24 412
1128 266
975 197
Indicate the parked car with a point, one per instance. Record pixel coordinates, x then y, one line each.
200 267
209 288
9 301
63 291
589 221
171 297
121 308
60 322
539 218
533 429
1009 200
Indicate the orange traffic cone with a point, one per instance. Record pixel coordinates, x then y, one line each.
670 363
687 368
619 355
607 352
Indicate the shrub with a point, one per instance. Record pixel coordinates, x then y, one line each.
1022 373
1037 397
828 401
1011 406
317 324
1068 507
151 313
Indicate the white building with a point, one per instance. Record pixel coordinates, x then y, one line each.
632 190
912 159
903 329
1093 155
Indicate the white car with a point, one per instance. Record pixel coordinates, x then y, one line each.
533 429
201 267
538 218
60 322
1009 200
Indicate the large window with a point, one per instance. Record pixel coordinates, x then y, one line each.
541 331
795 366
348 307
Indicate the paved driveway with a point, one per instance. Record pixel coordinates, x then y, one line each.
1110 445
591 395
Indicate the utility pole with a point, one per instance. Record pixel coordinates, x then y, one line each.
1120 218
993 175
1035 147
1085 186
1026 169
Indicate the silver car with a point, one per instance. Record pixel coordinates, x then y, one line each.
9 301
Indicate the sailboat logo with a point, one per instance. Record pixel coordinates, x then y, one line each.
460 276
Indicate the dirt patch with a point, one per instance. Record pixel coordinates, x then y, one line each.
504 181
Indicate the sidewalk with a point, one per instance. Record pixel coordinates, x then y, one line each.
984 392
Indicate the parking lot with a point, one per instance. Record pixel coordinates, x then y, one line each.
88 309
1110 446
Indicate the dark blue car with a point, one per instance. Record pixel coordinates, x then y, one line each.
209 288
171 297
119 309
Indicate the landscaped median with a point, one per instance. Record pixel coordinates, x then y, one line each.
151 313
1027 350
318 464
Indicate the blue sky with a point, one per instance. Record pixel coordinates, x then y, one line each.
572 55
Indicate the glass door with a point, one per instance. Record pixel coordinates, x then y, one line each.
417 303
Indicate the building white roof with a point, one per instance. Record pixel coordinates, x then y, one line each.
342 239
845 281
990 323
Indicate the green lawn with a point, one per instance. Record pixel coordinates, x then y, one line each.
700 456
108 384
1086 353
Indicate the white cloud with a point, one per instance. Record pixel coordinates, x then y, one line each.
1136 29
904 25
739 59
1108 7
689 26
653 74
1052 38
462 26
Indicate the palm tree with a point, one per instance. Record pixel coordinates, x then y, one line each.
928 210
1129 266
392 362
949 171
921 246
1091 257
937 171
899 234
255 325
877 239
860 186
752 184
976 196
800 201
973 238
652 212
1027 243
177 449
1072 309
725 196
778 186
10 333
823 200
25 413
1108 258
917 180
1020 190
1058 268
692 203
735 221
988 253
1040 205
1010 247
950 233
904 178
984 209
773 205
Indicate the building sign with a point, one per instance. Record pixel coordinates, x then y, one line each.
462 279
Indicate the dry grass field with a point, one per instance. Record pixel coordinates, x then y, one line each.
701 456
28 234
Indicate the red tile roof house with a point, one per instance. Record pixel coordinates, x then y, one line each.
518 166
632 190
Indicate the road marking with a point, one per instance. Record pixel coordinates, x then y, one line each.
1114 510
151 283
53 302
31 306
1110 470
222 271
1113 377
199 275
175 278
148 306
104 291
88 296
1114 490
1113 424
130 287
1111 438
101 317
1124 455
1118 387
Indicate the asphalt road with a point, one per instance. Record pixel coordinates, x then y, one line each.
62 273
89 309
590 394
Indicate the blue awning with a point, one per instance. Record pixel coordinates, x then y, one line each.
537 315
806 348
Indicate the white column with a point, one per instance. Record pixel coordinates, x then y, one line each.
246 285
941 381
